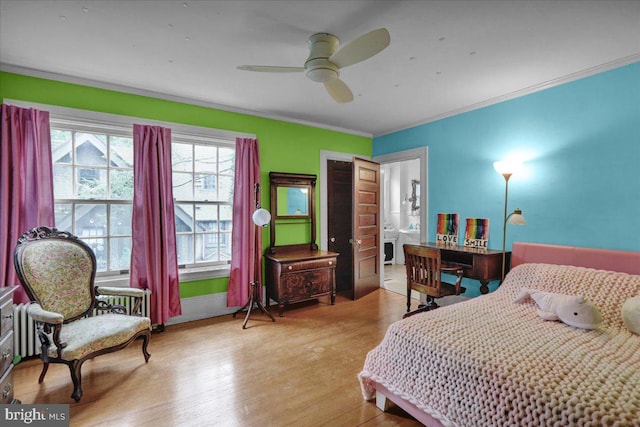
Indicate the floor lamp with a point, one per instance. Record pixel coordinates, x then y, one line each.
261 218
506 169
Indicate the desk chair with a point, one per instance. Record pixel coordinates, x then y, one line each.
424 274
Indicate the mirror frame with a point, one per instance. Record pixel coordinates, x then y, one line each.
283 179
415 193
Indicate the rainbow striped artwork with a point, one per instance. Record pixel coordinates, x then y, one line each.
447 229
476 234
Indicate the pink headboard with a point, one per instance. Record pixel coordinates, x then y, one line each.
601 259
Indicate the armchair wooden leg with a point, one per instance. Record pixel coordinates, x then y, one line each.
45 368
76 376
145 343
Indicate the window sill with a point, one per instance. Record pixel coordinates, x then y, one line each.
185 275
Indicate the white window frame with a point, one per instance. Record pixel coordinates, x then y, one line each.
117 122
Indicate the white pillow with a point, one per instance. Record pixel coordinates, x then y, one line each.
631 314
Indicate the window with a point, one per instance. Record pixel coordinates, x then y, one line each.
93 190
203 192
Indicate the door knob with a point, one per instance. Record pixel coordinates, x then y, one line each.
332 240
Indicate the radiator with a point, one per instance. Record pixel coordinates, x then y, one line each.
25 335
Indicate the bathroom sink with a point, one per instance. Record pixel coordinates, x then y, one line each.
390 234
409 235
410 231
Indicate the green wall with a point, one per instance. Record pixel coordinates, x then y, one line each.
284 146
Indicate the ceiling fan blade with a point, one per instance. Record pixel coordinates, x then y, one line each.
364 47
339 91
270 69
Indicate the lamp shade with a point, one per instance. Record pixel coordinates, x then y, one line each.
516 218
508 167
261 217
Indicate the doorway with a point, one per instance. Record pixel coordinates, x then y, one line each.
408 170
417 153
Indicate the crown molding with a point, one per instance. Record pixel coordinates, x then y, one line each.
627 60
32 72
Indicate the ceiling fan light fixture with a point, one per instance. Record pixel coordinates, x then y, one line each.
322 75
321 70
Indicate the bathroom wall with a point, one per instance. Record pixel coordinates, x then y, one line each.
396 185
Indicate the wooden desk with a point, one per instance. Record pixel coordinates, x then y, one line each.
483 265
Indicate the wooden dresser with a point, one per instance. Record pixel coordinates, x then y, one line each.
6 345
298 273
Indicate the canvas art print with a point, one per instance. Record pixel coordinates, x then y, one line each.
476 234
447 229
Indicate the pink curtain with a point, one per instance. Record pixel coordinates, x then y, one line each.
154 260
244 238
26 183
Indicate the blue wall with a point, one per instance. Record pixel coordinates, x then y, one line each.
580 143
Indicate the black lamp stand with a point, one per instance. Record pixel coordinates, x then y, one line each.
254 291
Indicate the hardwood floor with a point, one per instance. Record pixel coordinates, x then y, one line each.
299 371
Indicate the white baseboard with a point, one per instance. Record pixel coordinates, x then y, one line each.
203 307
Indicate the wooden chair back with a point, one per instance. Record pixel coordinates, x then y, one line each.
424 274
423 269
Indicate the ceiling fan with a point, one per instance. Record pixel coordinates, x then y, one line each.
325 60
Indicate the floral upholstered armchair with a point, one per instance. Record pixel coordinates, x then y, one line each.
57 271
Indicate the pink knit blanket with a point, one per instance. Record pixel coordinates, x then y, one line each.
491 362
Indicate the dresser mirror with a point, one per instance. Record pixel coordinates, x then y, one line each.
293 198
292 201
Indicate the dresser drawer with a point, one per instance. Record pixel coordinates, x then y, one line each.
6 315
305 285
6 351
6 386
290 267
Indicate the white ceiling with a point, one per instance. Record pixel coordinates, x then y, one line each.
445 57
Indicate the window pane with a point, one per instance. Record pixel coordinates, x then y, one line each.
121 152
182 157
206 158
225 246
61 146
121 183
226 163
184 218
100 250
182 186
91 149
225 192
62 182
206 247
226 214
63 217
91 220
206 218
91 183
119 253
120 219
205 187
184 244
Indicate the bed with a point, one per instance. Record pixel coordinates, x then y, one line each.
491 362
